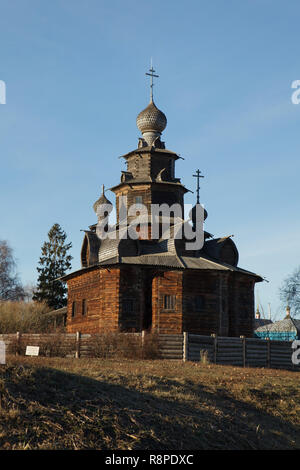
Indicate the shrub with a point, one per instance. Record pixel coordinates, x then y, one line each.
51 345
151 348
25 317
204 357
124 345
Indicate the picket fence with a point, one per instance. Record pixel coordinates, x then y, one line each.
244 352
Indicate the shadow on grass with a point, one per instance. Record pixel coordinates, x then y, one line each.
45 408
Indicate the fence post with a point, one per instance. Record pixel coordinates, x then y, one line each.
143 338
18 339
77 350
185 346
268 352
244 350
143 342
215 346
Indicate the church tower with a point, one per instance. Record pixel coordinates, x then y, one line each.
150 175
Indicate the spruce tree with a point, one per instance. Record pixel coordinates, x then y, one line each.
54 263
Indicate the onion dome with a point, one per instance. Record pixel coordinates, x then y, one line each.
193 213
151 122
101 201
151 119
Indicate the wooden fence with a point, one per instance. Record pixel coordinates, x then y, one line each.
66 344
244 352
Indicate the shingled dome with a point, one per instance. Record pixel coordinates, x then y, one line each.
287 329
151 119
101 201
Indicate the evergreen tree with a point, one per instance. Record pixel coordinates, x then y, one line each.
54 263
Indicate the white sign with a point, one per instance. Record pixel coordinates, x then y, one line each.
2 352
32 350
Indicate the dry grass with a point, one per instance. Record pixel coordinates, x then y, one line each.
52 403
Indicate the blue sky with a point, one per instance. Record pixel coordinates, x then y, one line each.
75 77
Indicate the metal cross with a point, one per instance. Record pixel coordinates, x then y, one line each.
151 74
198 176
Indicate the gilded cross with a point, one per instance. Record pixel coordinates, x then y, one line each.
198 176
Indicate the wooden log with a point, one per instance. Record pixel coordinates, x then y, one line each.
171 356
201 346
197 340
224 339
77 351
215 338
203 337
171 343
230 346
177 350
185 346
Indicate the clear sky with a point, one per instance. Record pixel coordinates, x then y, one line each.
75 77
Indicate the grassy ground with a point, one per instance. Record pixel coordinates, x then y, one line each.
49 403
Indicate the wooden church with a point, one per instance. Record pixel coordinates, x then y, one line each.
155 283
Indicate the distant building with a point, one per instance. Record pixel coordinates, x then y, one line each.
258 321
287 329
59 316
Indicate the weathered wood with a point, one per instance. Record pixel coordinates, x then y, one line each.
185 346
172 347
215 338
77 352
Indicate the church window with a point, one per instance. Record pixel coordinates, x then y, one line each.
84 307
169 302
73 308
138 200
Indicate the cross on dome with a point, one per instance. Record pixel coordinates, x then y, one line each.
151 74
198 176
151 121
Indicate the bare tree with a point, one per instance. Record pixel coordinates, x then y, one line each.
290 292
29 290
10 285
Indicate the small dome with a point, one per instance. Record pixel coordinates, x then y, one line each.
102 200
151 119
192 214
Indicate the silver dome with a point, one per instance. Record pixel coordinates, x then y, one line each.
151 119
